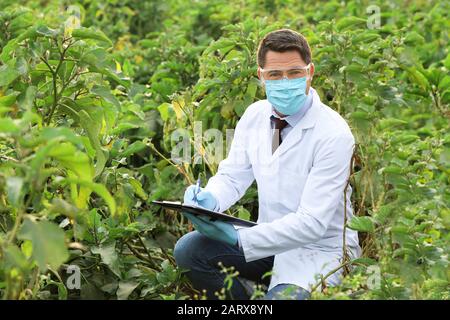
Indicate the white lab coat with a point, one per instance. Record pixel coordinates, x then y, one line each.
300 191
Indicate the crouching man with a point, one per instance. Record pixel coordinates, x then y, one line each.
299 152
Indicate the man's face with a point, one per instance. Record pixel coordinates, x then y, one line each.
282 60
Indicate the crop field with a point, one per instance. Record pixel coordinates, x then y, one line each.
95 94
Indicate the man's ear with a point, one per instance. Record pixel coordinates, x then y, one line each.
310 77
261 80
311 71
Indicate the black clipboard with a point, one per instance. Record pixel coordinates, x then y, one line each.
178 206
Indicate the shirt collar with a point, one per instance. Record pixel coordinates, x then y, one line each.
293 119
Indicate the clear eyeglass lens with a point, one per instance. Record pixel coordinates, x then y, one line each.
279 74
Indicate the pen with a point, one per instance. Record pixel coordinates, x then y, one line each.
197 189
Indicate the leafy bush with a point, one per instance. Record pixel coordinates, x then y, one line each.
87 112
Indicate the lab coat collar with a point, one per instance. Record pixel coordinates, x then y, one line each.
295 135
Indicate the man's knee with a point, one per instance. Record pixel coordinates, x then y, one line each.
186 249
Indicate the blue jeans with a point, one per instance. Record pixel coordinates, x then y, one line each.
200 255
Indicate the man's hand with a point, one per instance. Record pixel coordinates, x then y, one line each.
205 199
217 230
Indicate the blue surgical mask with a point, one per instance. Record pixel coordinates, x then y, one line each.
286 95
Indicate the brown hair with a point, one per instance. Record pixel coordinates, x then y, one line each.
281 41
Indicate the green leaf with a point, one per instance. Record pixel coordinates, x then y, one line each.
447 61
405 138
45 31
8 73
239 107
113 75
391 122
365 261
93 129
125 289
252 88
62 207
106 94
243 214
414 39
41 156
133 148
220 44
99 189
8 126
444 83
363 224
26 101
391 170
417 77
348 22
71 158
164 109
49 248
360 115
14 187
14 43
15 258
85 33
138 188
7 101
168 275
49 133
365 37
109 256
124 126
227 110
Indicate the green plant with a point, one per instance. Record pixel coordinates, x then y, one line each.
88 104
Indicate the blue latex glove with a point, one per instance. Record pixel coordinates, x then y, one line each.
205 199
217 230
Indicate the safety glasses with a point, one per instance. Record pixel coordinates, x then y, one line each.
289 72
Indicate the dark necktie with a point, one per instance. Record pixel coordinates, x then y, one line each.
279 124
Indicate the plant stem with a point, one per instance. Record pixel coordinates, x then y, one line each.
55 82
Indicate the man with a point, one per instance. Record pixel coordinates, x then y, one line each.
299 151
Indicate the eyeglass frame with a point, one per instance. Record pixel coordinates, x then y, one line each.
307 67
